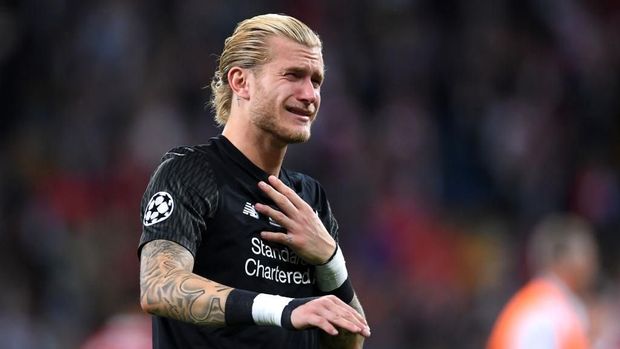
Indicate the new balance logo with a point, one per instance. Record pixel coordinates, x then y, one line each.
249 210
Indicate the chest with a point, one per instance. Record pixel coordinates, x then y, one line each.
233 253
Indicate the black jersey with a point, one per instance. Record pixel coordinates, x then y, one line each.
203 198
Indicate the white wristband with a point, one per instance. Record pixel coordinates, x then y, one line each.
267 309
333 274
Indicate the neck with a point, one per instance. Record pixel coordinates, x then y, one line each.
261 148
567 277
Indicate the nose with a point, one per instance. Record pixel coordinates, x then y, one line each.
307 92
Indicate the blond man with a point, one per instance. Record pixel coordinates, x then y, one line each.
236 251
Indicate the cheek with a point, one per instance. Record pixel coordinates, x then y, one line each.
586 265
273 99
279 95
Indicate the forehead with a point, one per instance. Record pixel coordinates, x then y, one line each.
286 52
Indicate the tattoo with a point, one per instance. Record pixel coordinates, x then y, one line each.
169 288
355 304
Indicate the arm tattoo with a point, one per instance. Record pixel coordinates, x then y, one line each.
169 288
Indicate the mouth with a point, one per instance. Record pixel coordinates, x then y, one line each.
307 114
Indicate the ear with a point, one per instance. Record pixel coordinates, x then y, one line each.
239 82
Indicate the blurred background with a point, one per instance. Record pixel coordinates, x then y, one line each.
447 130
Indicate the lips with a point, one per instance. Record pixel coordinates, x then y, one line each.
300 111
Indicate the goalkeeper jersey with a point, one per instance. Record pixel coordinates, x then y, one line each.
203 198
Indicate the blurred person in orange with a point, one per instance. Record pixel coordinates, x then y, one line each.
549 311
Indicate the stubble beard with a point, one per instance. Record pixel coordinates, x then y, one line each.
264 117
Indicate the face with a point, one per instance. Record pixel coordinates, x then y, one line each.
285 96
583 261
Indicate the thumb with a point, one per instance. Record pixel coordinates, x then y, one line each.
281 238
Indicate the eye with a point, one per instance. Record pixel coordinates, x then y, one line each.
292 75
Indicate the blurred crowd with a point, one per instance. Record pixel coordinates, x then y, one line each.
447 130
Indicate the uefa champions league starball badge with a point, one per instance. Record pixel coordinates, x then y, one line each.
158 209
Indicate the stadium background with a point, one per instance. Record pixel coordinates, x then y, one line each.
448 128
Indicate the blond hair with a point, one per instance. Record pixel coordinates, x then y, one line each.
247 48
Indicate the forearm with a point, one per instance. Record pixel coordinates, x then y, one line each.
355 304
168 287
332 278
187 297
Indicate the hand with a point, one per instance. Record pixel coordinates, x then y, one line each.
329 313
306 234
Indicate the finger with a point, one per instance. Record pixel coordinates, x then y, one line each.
341 320
347 312
289 193
360 326
323 324
359 319
280 199
338 303
276 215
346 320
280 238
361 322
352 316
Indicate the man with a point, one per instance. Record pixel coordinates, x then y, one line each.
547 313
236 251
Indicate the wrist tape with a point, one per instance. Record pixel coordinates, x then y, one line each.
252 308
333 277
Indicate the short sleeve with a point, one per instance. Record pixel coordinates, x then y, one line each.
181 194
325 211
536 332
329 220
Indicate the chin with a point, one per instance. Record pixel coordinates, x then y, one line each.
293 137
297 138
